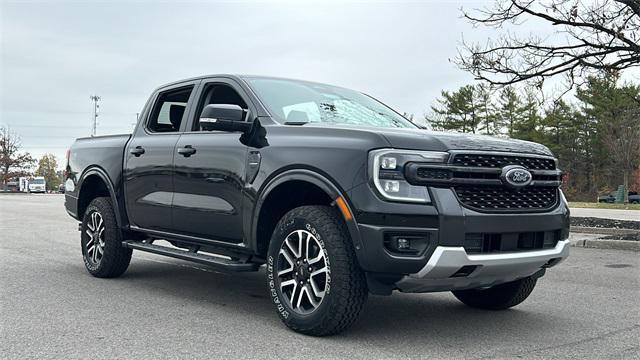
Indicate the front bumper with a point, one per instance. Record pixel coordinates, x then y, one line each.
490 269
448 226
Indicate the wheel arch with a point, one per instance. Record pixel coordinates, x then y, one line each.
262 225
95 182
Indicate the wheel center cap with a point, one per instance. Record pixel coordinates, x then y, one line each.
303 272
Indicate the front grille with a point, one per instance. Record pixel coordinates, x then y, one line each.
433 174
486 243
501 198
499 161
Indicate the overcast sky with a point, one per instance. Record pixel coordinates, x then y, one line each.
54 55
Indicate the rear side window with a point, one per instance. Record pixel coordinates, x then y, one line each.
169 109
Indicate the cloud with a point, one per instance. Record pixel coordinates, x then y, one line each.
56 54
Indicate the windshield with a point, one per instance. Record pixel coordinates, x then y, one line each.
298 102
37 181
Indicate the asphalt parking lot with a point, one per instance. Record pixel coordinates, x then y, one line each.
587 307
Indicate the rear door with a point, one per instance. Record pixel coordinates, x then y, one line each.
148 170
209 179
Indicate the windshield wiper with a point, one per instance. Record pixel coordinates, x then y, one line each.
298 123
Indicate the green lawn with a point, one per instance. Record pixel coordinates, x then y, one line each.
603 205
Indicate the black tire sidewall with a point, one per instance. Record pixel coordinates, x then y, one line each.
287 314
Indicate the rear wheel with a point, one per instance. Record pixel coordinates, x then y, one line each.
312 272
499 297
101 241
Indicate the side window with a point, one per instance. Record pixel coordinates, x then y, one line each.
168 110
218 94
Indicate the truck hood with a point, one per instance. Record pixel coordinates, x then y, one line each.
420 139
430 140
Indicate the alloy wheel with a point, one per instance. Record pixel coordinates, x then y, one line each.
303 271
94 234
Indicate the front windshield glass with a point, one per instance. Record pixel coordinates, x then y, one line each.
37 181
298 102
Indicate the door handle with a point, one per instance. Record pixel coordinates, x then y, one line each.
186 151
137 151
215 179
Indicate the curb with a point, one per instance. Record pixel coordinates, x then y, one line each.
607 244
602 231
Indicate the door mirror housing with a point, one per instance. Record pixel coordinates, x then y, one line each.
223 117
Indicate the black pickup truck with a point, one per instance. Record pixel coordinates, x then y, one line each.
337 194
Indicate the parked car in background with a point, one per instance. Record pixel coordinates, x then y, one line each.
38 185
610 198
61 188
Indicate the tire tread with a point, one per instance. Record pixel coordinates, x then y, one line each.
349 290
116 258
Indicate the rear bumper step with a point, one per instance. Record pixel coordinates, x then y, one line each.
213 261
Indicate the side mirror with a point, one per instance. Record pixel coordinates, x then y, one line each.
223 117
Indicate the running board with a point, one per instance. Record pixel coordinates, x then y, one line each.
213 261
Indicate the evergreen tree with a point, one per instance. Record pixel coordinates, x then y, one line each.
489 123
508 110
526 126
457 110
613 113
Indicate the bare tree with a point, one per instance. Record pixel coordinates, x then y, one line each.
590 37
12 162
622 139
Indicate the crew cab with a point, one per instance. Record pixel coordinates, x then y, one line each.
334 193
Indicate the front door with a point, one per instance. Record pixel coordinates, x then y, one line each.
148 159
209 173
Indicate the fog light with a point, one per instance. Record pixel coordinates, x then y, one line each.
391 186
388 163
404 244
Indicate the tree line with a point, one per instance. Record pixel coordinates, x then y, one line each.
596 136
15 163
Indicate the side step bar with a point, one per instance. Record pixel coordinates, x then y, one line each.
213 261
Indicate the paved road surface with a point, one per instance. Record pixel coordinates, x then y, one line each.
51 307
607 213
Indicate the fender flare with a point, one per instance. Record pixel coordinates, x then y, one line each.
102 174
315 178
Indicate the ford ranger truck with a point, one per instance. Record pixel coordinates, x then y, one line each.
336 194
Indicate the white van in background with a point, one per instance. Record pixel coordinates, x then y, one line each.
37 185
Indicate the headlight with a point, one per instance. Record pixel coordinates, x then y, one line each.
386 169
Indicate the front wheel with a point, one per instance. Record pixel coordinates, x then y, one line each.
101 241
499 297
312 272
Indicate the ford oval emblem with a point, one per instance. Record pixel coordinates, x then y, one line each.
516 176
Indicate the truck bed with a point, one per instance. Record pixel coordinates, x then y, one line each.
100 153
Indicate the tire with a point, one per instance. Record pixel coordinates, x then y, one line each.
499 297
109 258
319 231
